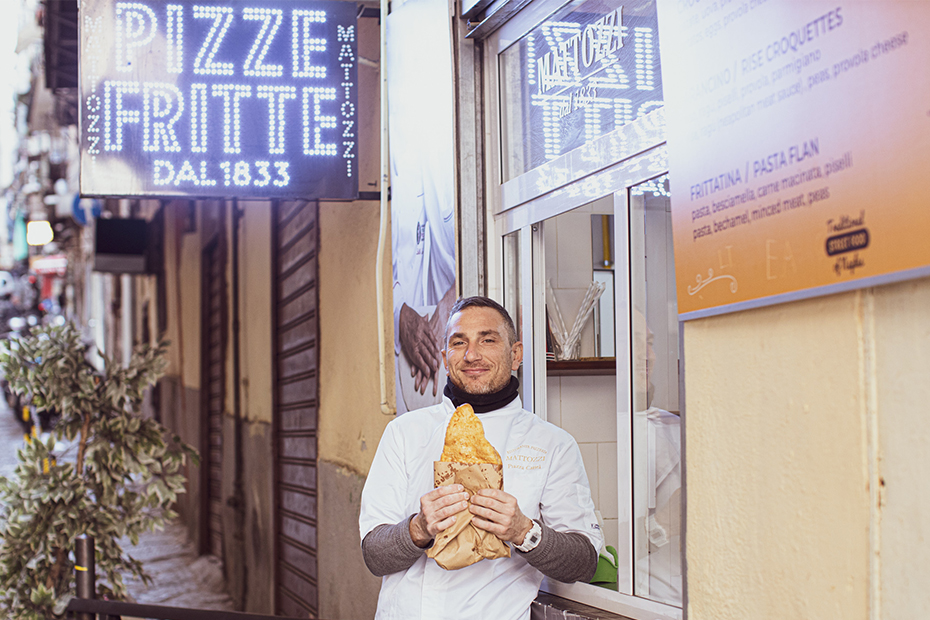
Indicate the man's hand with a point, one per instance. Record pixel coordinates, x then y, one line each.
437 512
498 513
419 345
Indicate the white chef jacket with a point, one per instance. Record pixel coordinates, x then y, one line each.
542 469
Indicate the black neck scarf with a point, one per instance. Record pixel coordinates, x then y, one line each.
483 403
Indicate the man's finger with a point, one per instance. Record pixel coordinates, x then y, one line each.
493 493
445 524
419 362
440 503
488 526
489 501
443 490
451 509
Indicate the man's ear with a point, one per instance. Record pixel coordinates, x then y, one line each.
517 350
445 362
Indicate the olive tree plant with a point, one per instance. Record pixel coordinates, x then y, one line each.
115 474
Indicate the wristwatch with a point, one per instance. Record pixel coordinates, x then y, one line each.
531 540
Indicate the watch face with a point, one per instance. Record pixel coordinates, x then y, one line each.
532 539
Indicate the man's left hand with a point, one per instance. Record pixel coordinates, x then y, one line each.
497 512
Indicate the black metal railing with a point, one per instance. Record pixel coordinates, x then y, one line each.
85 607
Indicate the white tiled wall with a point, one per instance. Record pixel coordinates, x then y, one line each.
586 407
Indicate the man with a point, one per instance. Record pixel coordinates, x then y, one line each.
544 512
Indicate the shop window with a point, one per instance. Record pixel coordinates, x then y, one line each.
607 371
588 273
581 385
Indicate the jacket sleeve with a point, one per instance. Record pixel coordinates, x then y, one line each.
562 556
389 549
383 518
571 533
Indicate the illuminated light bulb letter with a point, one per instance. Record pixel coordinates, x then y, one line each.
186 173
302 44
645 58
276 96
115 115
164 172
232 125
204 63
175 36
135 26
203 175
271 20
198 118
93 105
283 176
159 102
263 170
315 119
348 115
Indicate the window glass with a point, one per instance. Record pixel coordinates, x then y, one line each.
581 386
655 381
582 73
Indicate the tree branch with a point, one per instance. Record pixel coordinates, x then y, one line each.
82 445
60 556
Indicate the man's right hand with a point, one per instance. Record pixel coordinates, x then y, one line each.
437 513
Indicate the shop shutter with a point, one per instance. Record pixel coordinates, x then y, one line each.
213 382
296 345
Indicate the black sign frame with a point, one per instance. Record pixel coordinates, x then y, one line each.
235 99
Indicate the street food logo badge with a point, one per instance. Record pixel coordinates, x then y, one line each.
850 236
221 99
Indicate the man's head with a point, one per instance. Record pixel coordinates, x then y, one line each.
481 347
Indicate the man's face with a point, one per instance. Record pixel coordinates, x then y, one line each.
478 354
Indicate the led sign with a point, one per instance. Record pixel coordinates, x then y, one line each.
587 70
237 98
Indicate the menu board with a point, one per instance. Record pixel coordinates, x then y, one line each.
799 147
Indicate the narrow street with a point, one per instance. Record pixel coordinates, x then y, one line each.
181 578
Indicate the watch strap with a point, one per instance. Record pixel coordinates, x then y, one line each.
531 540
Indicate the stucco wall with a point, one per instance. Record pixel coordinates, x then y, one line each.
351 422
806 452
250 552
182 280
350 418
902 400
255 311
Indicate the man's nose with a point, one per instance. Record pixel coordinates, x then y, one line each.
471 354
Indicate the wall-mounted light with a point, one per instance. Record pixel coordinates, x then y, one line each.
39 233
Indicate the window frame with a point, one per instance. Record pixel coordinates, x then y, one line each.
519 207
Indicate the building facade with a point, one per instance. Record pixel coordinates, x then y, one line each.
744 465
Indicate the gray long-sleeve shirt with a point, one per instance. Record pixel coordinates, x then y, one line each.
561 556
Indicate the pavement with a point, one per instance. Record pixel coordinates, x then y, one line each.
181 577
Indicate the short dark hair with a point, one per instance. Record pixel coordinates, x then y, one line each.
478 301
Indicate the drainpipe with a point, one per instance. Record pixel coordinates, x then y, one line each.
237 501
385 308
